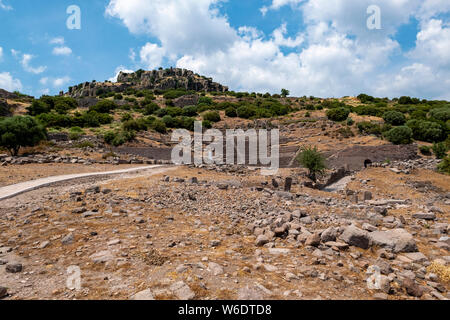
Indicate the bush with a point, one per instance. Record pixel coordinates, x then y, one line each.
246 112
119 138
399 135
440 150
426 130
425 150
442 114
159 126
311 159
212 116
338 114
368 111
19 131
207 124
126 117
104 106
350 122
190 111
150 108
364 98
444 166
118 96
394 118
205 100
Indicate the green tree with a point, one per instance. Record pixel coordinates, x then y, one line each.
311 159
399 135
394 118
19 131
285 93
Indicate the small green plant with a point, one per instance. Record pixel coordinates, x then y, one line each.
311 159
444 166
440 150
425 150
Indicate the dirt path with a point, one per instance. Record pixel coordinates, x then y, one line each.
16 189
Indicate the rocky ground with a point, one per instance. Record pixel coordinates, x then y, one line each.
230 233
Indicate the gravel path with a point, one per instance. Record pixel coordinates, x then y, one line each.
16 189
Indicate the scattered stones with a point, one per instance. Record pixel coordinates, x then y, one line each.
68 239
412 288
215 268
425 216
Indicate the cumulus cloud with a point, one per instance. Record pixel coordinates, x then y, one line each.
59 82
8 83
26 59
336 54
182 26
152 55
62 51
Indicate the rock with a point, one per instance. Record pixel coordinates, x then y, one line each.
367 195
380 296
114 242
313 240
385 267
288 184
68 239
416 257
424 216
181 268
14 268
369 227
261 240
3 292
412 288
145 295
356 237
247 293
182 291
102 257
329 234
397 240
338 245
215 268
44 244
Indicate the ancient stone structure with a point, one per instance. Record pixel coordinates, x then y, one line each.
173 78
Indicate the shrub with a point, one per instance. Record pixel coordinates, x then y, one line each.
419 115
119 138
364 98
338 114
104 106
442 114
425 150
38 107
159 126
205 100
19 131
444 166
231 112
246 112
405 100
190 111
399 135
394 118
150 108
212 116
368 111
207 124
426 130
440 150
126 117
311 159
118 96
350 122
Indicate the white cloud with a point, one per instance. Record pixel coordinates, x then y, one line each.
15 53
118 71
59 82
5 6
183 27
336 54
44 81
8 83
26 59
57 40
62 51
1 53
152 55
277 4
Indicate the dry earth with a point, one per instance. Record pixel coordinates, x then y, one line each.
227 235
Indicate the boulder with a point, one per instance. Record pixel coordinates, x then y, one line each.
356 237
397 240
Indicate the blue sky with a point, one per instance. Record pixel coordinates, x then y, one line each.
311 47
